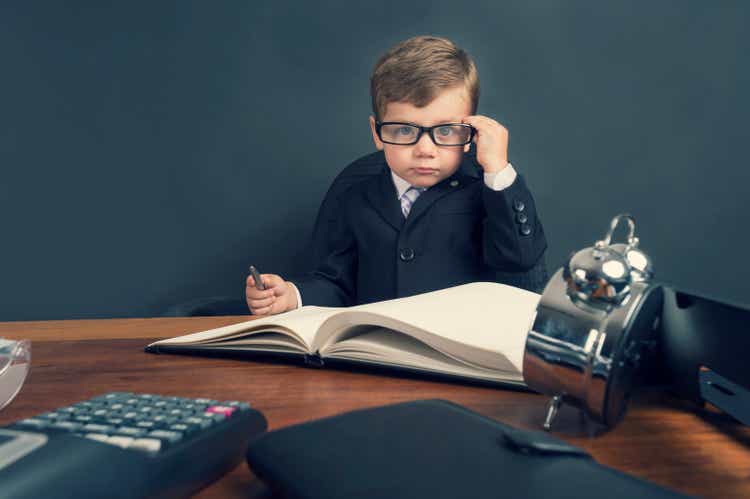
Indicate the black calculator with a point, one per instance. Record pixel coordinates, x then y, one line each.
126 445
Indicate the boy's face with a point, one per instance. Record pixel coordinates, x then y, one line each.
424 164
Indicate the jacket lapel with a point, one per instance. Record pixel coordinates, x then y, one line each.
423 203
382 197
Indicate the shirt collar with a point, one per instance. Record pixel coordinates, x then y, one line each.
401 185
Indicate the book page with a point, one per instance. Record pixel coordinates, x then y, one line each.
481 323
295 329
387 347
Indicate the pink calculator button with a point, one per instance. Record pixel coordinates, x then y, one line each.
221 409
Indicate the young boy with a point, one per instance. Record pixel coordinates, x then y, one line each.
419 215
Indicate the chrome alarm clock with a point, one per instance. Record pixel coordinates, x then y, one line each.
595 323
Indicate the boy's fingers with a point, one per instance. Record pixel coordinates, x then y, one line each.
279 288
482 122
260 311
475 121
257 294
259 304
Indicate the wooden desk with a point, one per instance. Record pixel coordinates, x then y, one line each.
666 441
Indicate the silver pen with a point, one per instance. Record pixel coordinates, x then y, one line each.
256 277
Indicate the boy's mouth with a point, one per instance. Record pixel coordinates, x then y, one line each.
425 171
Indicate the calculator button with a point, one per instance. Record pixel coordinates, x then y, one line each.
215 417
98 428
203 423
161 420
130 431
52 415
82 406
242 406
123 442
33 422
170 436
182 428
66 425
146 444
224 410
97 436
113 396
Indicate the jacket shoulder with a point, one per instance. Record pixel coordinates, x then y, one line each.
366 167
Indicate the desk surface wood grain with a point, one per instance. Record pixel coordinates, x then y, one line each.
670 442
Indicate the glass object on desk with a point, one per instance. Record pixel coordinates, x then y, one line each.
15 361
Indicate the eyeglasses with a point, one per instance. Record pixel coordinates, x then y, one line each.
15 359
406 134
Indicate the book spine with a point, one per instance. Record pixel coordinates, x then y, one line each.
314 360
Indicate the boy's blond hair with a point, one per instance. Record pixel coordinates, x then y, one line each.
418 69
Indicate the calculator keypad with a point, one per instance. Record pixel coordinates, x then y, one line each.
142 422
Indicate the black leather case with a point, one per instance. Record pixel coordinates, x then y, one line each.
431 449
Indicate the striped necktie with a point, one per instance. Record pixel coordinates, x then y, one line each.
408 198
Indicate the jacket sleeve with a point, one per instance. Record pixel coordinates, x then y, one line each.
332 282
513 241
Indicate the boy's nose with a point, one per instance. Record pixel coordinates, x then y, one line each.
425 145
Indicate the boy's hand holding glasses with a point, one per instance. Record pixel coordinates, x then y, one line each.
491 139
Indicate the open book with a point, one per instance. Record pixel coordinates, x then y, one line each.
475 331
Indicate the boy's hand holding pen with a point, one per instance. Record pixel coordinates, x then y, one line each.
269 294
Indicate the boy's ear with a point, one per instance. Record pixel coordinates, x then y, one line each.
378 143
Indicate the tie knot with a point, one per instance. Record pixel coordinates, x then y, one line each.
413 192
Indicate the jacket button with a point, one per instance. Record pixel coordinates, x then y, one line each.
406 254
518 205
525 230
521 218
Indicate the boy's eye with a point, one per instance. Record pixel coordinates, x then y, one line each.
405 130
445 131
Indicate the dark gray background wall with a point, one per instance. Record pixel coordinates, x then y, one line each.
150 151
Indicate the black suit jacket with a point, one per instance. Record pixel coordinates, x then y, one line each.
458 231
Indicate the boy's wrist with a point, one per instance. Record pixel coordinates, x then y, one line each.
293 294
494 167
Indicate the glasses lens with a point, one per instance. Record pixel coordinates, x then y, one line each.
397 133
15 359
452 135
